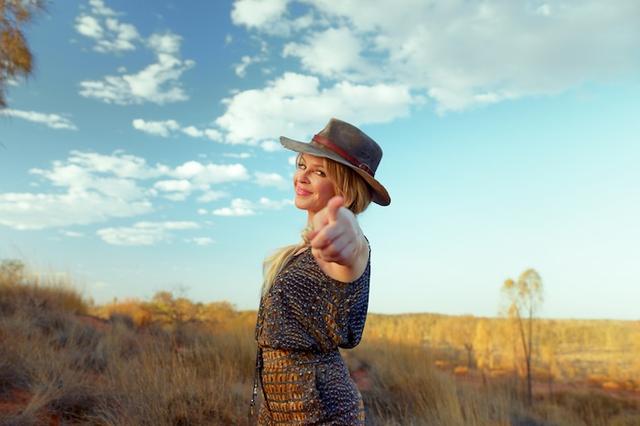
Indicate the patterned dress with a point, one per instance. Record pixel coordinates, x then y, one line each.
302 321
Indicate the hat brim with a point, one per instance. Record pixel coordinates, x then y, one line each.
380 194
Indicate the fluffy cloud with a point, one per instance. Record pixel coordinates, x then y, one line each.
241 68
320 56
174 189
109 34
271 146
143 233
266 203
269 16
118 164
271 179
207 174
158 128
243 207
240 155
98 7
38 211
200 241
89 26
93 187
158 83
238 207
167 128
459 54
295 103
72 234
210 196
54 121
257 13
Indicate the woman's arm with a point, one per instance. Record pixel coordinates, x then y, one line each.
337 242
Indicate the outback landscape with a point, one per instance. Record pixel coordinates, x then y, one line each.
139 149
169 361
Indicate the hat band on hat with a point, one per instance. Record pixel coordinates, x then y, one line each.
326 142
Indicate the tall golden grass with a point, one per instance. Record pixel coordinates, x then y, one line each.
60 363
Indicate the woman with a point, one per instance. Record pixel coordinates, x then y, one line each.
315 293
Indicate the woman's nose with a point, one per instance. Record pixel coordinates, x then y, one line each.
303 176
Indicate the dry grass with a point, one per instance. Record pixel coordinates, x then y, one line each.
57 363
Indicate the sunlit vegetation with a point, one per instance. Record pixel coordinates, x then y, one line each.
169 361
16 59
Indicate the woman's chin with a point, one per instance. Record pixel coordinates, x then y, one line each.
300 203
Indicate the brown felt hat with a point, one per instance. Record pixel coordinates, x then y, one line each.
346 144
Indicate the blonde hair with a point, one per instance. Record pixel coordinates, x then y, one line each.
357 197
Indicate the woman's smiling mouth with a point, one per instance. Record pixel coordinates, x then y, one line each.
302 192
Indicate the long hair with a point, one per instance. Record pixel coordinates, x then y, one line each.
357 197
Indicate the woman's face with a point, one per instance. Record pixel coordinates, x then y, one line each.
313 188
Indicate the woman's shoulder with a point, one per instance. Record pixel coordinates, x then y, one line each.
347 274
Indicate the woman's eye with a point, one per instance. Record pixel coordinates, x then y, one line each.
320 173
301 166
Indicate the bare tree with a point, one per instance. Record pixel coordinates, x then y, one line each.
16 59
461 334
524 298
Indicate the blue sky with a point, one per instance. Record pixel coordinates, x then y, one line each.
142 154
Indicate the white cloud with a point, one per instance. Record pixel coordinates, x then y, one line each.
143 233
243 207
202 211
271 179
95 188
247 60
89 26
269 16
459 54
241 155
72 234
54 121
213 134
296 104
210 196
175 190
192 131
166 128
292 160
200 241
238 207
158 83
241 68
544 9
123 37
207 174
89 187
271 146
266 203
158 128
98 7
109 33
320 55
38 211
119 164
257 13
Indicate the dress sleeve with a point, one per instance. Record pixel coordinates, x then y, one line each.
356 304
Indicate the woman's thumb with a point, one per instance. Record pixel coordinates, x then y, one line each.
333 206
